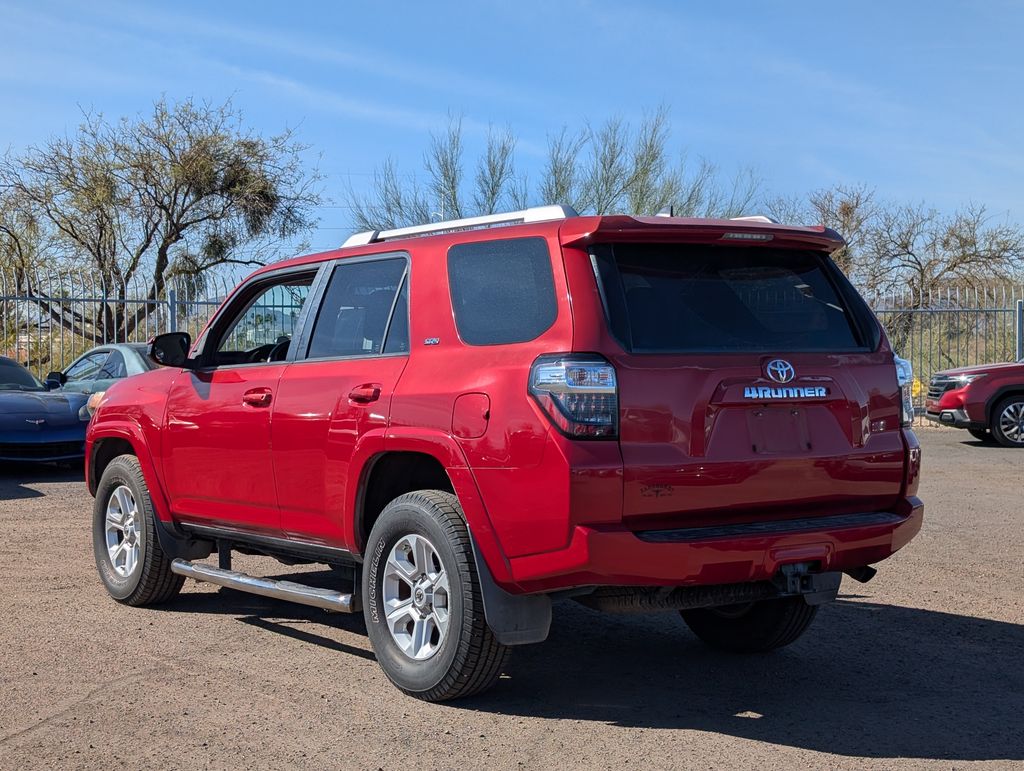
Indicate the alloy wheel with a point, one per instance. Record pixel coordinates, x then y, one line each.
123 531
1011 422
416 597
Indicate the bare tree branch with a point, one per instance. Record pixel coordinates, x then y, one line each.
135 200
495 172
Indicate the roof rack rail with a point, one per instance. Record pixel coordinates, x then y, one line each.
757 218
534 214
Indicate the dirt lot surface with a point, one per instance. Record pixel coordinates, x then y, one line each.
921 667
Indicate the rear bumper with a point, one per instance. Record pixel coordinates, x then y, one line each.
718 555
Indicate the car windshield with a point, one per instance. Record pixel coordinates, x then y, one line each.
146 362
14 377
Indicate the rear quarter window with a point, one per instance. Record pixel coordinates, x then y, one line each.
502 291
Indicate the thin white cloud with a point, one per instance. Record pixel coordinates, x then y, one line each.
343 53
326 99
66 68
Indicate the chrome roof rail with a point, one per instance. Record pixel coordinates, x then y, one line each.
756 218
534 214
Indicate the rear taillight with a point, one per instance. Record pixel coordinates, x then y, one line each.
579 393
905 380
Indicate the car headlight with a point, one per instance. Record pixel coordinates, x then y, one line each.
89 408
905 380
967 379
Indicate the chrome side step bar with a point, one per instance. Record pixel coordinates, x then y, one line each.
328 599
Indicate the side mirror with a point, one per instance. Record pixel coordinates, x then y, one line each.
171 350
55 380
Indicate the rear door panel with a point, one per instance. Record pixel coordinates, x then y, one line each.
337 390
316 426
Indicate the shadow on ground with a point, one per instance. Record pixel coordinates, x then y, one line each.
868 680
987 445
289 619
14 477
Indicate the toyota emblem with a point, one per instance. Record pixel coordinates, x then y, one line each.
780 370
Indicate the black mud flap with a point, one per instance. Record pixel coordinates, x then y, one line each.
798 580
178 545
515 619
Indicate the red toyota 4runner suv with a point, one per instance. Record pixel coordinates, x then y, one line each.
988 401
470 419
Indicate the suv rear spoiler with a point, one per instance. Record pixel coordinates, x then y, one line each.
580 231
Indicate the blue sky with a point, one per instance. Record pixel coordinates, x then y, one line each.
922 100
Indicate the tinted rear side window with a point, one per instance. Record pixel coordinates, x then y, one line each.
398 333
356 309
682 298
502 291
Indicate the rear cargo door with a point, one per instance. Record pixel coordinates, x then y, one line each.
751 386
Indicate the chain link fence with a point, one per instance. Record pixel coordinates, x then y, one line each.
47 319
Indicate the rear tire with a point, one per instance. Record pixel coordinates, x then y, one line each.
754 627
1008 422
422 601
981 434
133 567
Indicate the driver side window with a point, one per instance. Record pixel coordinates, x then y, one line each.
262 329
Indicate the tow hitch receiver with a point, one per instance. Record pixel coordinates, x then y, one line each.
815 588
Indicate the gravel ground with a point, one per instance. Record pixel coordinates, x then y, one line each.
920 668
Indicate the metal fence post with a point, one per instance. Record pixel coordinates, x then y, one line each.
103 310
172 307
1020 329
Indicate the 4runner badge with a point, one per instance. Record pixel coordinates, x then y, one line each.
789 392
781 371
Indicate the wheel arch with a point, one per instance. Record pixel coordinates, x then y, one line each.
386 476
103 451
124 439
513 617
442 455
1002 393
423 449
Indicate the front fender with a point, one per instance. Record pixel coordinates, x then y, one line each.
133 434
172 541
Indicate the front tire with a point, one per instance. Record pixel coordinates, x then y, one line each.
1008 422
753 627
980 434
422 601
133 567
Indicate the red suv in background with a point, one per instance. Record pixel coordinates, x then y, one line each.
987 400
469 420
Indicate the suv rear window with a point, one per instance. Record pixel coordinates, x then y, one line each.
502 291
664 298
